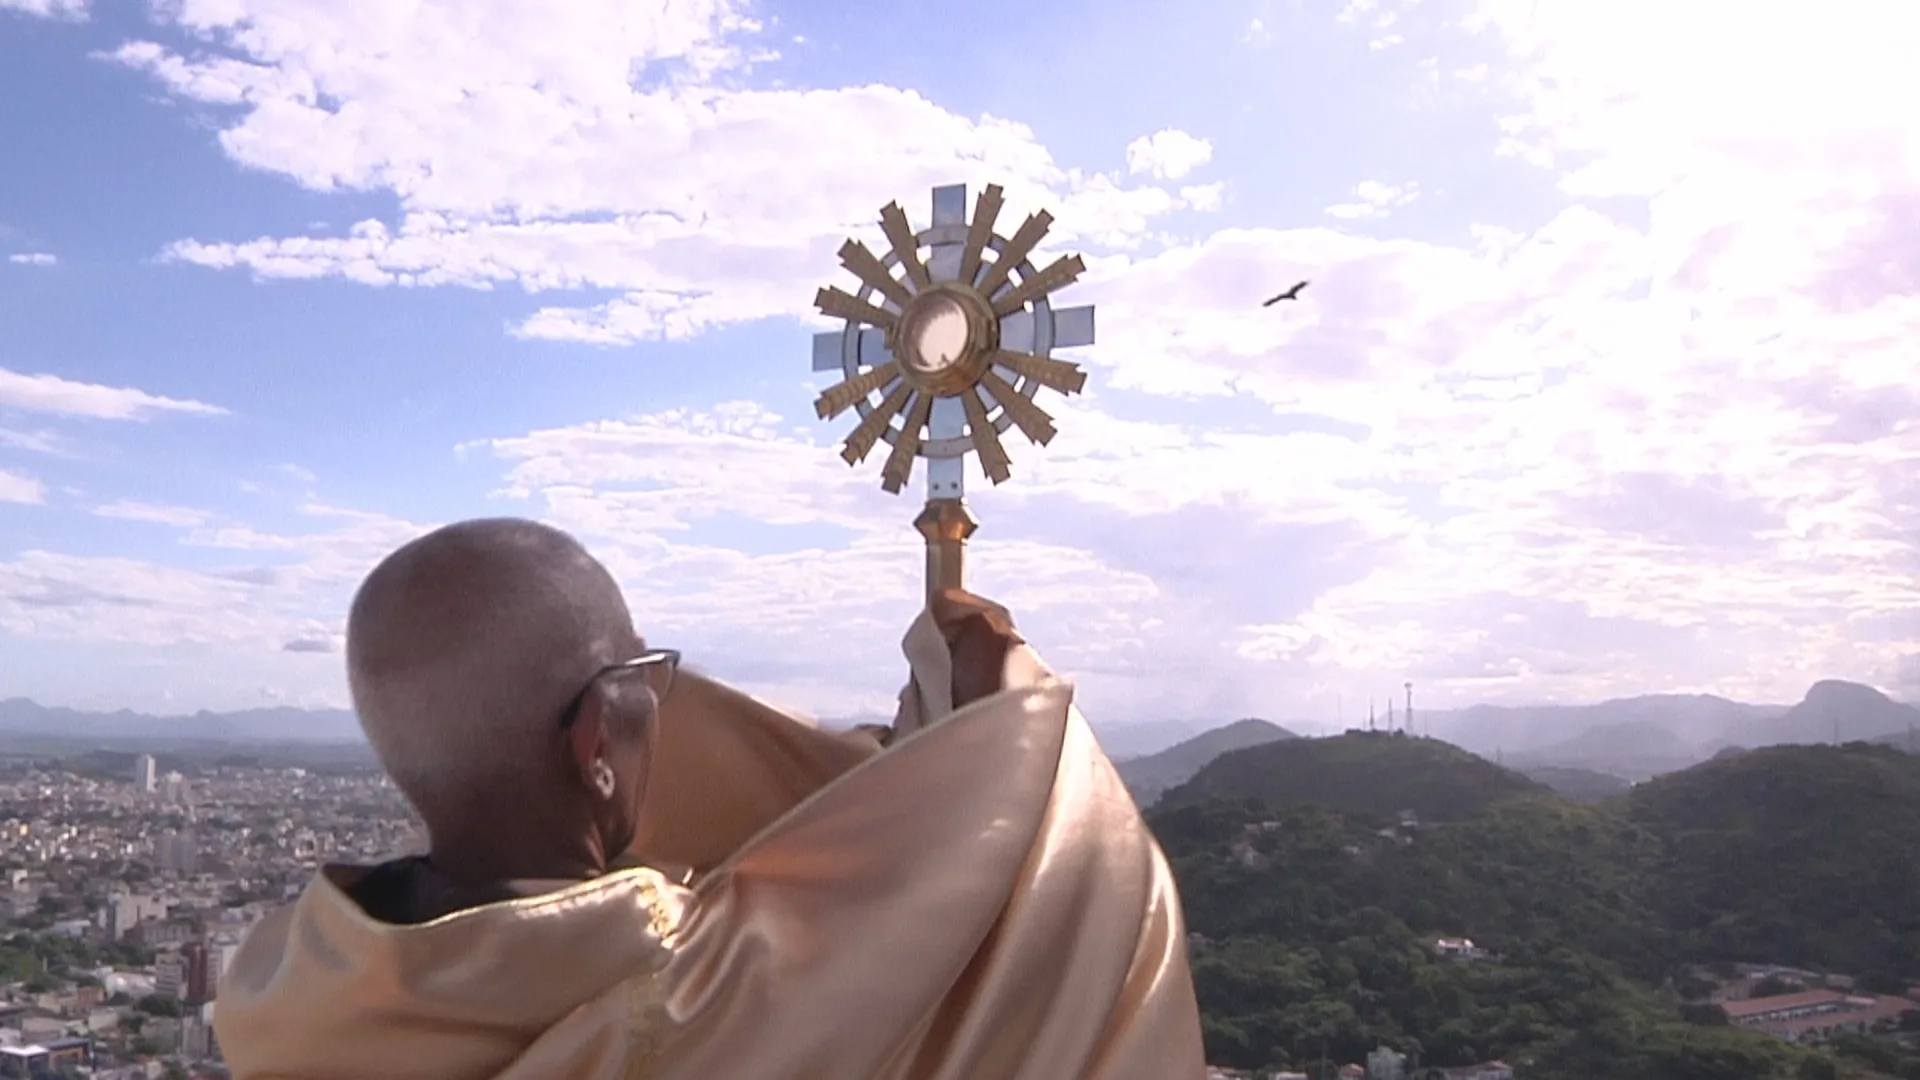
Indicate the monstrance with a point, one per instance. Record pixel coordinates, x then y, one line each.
955 346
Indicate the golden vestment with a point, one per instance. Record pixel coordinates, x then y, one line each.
979 901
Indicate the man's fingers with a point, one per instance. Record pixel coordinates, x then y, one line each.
951 607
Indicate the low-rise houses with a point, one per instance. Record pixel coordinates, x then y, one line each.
1812 1015
1488 1070
135 900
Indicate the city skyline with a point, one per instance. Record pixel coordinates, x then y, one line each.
1599 388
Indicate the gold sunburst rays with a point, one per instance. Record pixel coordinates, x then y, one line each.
1031 232
1045 370
986 209
842 396
1031 419
916 407
861 439
906 445
1059 274
986 439
867 266
893 222
927 359
836 303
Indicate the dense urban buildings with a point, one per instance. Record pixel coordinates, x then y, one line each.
123 898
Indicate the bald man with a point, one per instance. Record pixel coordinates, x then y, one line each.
635 871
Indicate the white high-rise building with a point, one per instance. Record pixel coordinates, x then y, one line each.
127 910
177 852
170 975
146 773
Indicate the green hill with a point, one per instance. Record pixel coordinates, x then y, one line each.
1377 774
1908 741
1317 927
1146 777
1580 785
1805 855
1318 934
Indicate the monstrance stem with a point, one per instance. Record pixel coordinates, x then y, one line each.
946 524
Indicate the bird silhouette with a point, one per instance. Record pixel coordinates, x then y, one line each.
1290 294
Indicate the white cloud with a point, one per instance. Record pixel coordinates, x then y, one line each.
1373 199
522 153
48 9
20 488
65 397
1379 17
134 510
1661 438
1704 96
1256 33
1168 154
32 258
257 603
1204 197
650 494
39 442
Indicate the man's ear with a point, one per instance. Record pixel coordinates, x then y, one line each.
587 737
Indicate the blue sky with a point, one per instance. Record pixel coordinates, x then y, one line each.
1599 389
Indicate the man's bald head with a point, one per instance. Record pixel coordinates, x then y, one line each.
464 647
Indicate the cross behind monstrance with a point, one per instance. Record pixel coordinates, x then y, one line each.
955 343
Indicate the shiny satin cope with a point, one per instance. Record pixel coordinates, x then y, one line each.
981 901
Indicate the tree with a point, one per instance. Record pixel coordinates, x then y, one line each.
1880 982
1705 1014
1818 1067
1692 987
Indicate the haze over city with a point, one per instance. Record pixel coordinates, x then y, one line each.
1603 384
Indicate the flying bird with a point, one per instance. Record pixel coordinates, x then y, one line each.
1290 294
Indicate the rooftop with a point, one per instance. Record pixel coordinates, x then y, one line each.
1806 999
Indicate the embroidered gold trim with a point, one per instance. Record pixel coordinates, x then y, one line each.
646 1024
646 995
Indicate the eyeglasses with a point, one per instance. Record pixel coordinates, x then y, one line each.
658 665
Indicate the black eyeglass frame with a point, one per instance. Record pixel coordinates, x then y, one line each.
667 659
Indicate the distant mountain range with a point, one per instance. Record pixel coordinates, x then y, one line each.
1146 777
1123 742
1630 738
21 717
1690 719
1589 752
1637 738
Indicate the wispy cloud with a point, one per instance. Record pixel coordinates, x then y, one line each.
1373 199
312 643
1168 154
133 510
20 488
60 396
33 258
49 9
38 442
565 201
